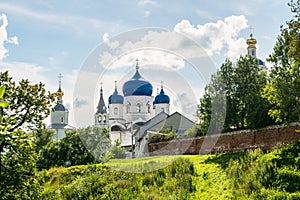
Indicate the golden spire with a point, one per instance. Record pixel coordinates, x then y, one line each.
60 93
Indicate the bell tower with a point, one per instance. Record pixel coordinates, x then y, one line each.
101 116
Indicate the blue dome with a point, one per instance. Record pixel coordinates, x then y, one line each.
137 86
161 98
116 98
59 107
260 62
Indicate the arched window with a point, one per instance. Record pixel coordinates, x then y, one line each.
115 111
104 119
99 118
148 106
138 107
62 119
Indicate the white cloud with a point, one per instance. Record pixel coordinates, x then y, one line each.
214 37
111 44
4 37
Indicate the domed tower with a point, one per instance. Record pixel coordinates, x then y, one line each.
59 117
251 49
162 102
115 105
101 116
137 98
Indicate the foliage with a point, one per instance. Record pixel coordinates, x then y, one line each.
283 88
165 134
96 140
100 182
117 151
29 104
17 161
239 88
67 151
42 137
87 145
274 175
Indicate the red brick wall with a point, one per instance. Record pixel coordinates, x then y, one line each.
266 138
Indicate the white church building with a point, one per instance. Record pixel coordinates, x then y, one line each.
134 114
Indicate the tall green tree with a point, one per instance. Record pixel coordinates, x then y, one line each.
241 86
17 160
283 88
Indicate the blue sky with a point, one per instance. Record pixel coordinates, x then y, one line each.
40 39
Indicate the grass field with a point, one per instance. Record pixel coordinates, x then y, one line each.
254 175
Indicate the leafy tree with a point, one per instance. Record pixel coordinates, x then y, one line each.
42 137
29 104
117 151
283 88
87 145
17 161
239 88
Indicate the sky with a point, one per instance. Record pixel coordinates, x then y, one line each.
91 42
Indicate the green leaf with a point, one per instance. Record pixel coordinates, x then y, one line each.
3 104
2 90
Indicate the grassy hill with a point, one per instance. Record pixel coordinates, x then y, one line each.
252 175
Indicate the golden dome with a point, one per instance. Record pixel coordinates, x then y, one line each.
251 41
59 93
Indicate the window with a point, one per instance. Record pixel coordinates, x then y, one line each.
148 106
128 108
99 118
138 108
62 119
104 119
115 111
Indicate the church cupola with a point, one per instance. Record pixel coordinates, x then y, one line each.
116 98
137 86
115 105
251 49
101 116
162 102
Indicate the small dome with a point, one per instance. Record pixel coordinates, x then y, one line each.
251 41
116 98
59 107
137 86
161 98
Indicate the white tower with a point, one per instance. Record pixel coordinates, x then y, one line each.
251 49
59 117
162 102
101 116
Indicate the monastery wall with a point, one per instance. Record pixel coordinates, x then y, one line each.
266 138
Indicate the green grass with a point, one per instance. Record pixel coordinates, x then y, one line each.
254 175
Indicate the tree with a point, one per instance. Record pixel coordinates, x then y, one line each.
87 145
17 161
239 88
29 104
283 88
117 151
42 137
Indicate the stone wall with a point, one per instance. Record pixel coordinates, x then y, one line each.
266 138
